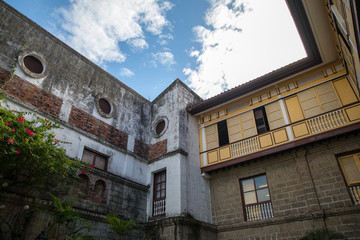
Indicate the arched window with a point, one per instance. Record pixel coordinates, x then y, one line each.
99 192
81 186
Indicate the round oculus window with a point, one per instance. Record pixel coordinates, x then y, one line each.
105 106
33 64
160 126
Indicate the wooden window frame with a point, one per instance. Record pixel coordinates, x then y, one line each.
96 153
352 187
263 118
244 205
157 188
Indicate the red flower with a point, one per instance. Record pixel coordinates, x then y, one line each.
92 166
56 141
10 140
17 152
31 133
7 123
21 119
46 120
12 130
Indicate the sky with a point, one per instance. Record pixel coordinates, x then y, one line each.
211 45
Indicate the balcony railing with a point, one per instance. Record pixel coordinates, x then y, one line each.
159 208
355 194
259 211
286 134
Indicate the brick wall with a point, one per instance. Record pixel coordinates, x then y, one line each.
307 191
32 95
150 152
88 123
158 149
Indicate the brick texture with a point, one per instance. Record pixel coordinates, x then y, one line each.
158 149
307 192
88 123
31 94
150 152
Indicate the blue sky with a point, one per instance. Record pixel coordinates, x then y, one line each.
211 45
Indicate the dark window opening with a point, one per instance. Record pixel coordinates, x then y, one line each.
160 127
261 121
33 64
223 133
105 106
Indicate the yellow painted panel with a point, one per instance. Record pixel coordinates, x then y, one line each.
353 113
249 132
212 157
212 145
277 123
324 88
202 159
316 110
265 141
294 109
248 124
328 97
300 130
233 121
247 116
345 91
331 105
234 129
211 138
210 129
280 136
309 103
224 153
235 137
306 95
200 139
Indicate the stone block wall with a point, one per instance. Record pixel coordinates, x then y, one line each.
307 192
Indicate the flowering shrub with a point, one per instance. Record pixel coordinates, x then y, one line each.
29 148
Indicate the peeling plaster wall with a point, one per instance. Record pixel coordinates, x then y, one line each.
187 190
71 77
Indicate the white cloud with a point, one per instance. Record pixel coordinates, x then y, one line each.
95 28
138 43
164 58
241 41
125 72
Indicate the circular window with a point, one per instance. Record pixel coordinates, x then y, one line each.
105 107
160 126
33 64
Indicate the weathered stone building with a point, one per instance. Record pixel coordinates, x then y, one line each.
271 159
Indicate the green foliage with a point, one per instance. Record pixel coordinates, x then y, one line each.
122 228
64 215
322 234
29 149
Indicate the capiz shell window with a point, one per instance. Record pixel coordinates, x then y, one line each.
95 159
